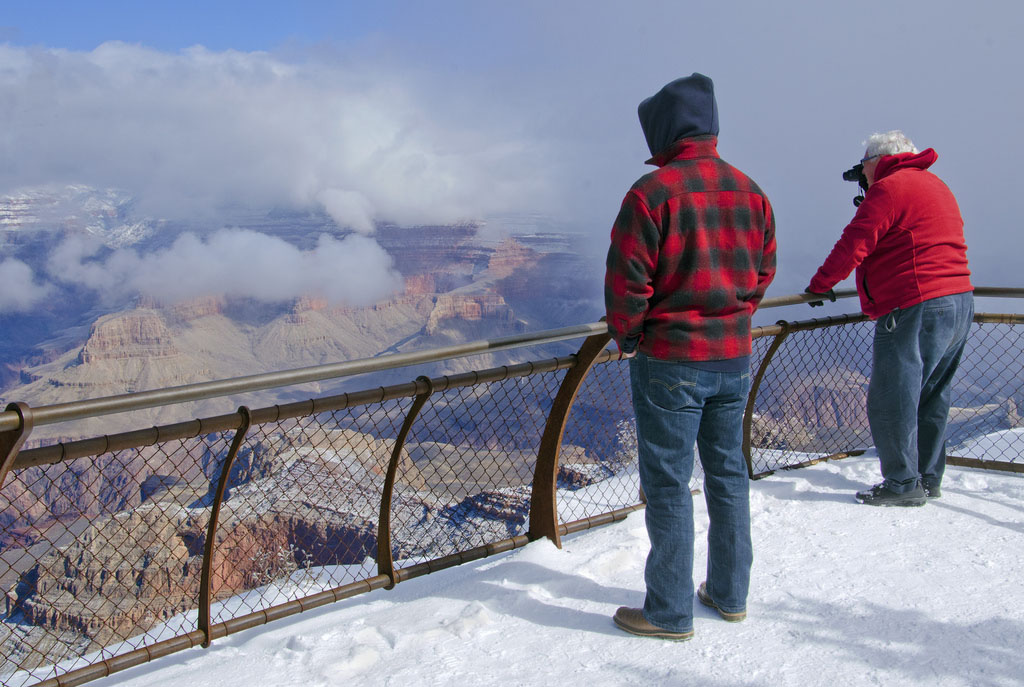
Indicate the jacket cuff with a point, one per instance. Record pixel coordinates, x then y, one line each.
817 286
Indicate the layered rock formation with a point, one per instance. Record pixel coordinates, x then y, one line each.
820 411
35 498
470 308
832 398
141 334
509 256
119 577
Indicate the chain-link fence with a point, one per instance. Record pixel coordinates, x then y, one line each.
121 547
810 401
118 549
101 554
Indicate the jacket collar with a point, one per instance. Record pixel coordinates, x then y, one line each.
687 149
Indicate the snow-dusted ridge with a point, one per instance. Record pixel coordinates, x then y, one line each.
105 214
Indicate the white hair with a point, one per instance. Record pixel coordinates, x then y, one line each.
889 143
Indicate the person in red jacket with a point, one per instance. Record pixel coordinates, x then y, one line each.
692 252
907 244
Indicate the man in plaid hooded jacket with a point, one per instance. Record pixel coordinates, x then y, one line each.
692 252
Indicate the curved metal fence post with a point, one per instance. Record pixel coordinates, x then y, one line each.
12 441
206 581
385 559
543 504
755 385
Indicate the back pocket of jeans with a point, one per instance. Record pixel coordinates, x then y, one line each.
671 386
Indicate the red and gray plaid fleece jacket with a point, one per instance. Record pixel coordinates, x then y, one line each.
692 252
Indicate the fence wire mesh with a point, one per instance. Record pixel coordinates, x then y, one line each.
102 555
812 400
985 422
598 463
467 468
300 512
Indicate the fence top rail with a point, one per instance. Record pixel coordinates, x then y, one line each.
81 448
108 405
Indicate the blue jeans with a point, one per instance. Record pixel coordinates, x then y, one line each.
916 353
675 406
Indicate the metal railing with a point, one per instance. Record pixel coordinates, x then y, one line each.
118 549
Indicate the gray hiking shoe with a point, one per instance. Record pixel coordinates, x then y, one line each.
705 598
632 620
931 489
880 495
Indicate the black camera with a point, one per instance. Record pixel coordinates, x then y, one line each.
856 173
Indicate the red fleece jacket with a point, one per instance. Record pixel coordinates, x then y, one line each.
906 240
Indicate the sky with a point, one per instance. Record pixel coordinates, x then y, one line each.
841 593
439 112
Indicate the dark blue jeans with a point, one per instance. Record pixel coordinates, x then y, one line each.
677 405
916 353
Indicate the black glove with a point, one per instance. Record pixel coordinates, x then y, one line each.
629 345
830 294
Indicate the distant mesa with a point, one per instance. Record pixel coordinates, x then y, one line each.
133 334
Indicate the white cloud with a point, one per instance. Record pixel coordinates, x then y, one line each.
348 208
234 262
198 130
18 288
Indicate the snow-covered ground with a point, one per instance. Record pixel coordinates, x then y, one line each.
842 594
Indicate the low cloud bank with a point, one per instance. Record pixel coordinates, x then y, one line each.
19 290
234 263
